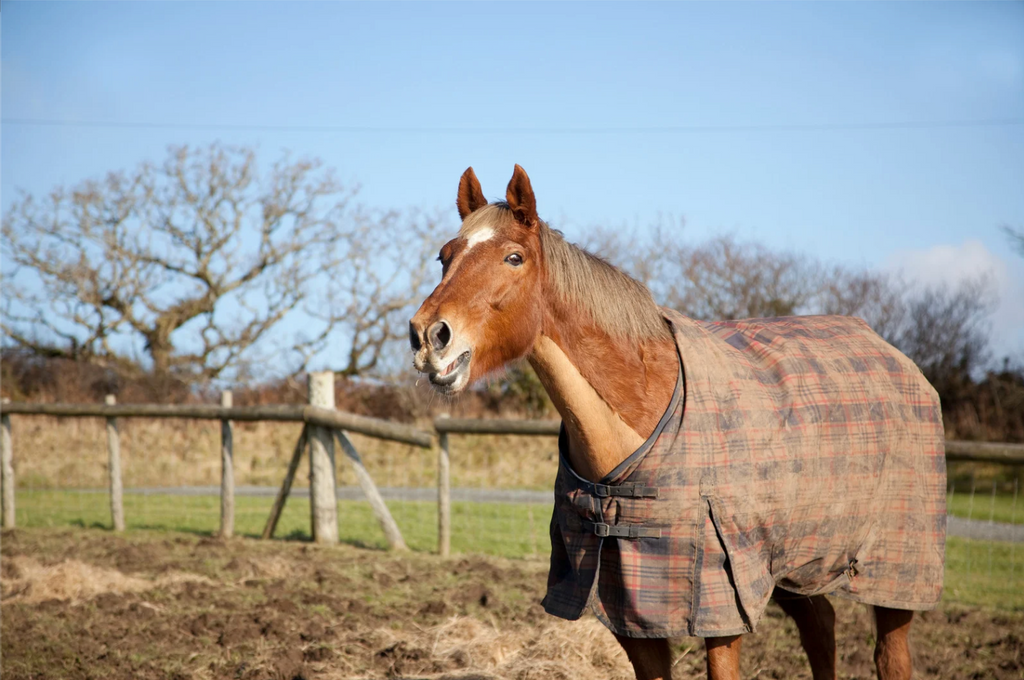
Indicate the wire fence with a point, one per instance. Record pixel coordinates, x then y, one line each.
171 473
482 486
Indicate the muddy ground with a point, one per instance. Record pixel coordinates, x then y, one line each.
88 604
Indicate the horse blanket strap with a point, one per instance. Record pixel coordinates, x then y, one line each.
792 450
623 490
630 531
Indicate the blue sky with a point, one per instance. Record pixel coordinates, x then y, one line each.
808 126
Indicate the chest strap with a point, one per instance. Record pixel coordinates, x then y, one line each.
630 531
634 490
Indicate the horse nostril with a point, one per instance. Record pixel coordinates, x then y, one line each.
440 335
414 338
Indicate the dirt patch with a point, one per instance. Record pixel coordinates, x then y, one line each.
203 609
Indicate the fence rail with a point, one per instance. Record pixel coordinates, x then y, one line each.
985 452
311 415
335 423
497 426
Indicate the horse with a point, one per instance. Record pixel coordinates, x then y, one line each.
704 467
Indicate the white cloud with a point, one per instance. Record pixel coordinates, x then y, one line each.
951 264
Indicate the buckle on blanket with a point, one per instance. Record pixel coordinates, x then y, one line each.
629 531
625 490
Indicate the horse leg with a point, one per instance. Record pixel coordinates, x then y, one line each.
651 657
816 620
892 651
723 657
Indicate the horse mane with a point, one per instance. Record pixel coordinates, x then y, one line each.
619 304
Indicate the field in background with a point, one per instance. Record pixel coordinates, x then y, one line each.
70 453
984 506
514 530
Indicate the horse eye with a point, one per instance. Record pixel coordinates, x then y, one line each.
515 259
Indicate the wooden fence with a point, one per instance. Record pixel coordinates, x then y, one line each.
323 427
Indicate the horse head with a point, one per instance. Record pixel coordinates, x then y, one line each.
486 311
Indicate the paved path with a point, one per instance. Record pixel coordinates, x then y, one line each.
984 530
957 526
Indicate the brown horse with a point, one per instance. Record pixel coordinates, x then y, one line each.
612 363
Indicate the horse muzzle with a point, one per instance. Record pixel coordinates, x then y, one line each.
448 374
436 354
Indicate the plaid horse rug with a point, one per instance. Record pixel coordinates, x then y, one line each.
804 453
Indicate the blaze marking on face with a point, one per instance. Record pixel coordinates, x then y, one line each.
479 236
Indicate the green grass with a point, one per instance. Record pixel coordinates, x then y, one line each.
978 573
505 529
985 506
984 573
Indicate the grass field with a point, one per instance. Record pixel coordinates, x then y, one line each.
984 573
984 506
978 573
502 529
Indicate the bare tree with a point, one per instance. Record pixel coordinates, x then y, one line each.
942 328
650 257
198 259
1016 237
724 279
720 279
386 271
946 332
876 297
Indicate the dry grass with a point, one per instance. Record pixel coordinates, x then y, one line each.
559 650
71 453
259 567
27 581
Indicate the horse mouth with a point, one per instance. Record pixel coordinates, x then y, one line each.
446 379
452 373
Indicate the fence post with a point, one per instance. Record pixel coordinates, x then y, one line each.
7 468
323 484
227 472
114 458
286 486
444 496
380 509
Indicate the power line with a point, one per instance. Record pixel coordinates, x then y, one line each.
665 129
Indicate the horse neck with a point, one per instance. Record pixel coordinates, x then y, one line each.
611 392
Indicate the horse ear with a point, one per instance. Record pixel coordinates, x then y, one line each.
520 198
471 196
